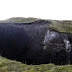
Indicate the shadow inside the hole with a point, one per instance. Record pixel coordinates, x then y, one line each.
60 61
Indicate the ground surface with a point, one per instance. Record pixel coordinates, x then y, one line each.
14 66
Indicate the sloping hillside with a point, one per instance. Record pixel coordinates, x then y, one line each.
62 26
18 20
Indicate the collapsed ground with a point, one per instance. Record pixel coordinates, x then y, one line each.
11 66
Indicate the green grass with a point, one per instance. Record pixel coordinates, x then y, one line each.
62 26
18 20
7 65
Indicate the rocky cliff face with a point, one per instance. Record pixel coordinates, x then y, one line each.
55 48
58 47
